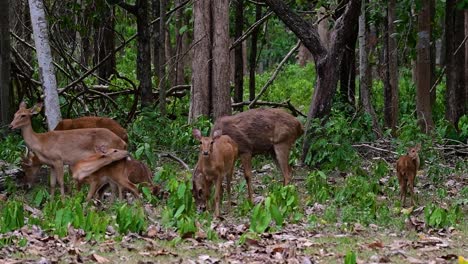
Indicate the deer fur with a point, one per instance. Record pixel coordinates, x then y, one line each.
407 166
31 164
262 131
59 148
215 162
98 170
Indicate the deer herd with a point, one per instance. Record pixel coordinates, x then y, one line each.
95 149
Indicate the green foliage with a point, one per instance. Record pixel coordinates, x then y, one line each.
317 187
350 258
11 148
12 216
179 211
130 218
438 217
282 204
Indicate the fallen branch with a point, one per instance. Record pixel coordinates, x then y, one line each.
375 148
275 73
171 156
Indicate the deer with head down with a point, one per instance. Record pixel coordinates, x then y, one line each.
31 164
114 167
215 162
407 167
262 131
59 148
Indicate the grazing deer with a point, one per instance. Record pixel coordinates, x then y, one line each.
59 148
31 164
407 167
262 131
215 162
111 167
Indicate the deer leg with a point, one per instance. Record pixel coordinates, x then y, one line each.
228 187
282 156
411 188
402 190
57 175
218 194
93 187
246 160
124 182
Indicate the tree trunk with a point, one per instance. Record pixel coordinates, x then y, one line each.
238 53
423 68
365 74
179 64
44 57
5 98
465 95
253 54
104 40
162 57
201 66
433 56
460 60
221 99
391 71
156 45
348 71
143 52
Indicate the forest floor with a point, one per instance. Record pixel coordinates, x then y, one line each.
408 239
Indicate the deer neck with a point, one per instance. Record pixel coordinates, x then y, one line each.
30 137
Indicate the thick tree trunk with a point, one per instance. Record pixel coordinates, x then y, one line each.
179 49
423 67
44 57
391 76
238 53
221 99
201 66
5 98
162 58
144 52
253 54
104 40
454 94
365 74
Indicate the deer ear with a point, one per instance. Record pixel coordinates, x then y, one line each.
22 105
196 134
102 149
217 133
36 108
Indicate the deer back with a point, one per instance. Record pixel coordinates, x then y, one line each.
257 130
93 122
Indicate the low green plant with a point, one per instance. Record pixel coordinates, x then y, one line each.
12 216
350 258
317 187
439 217
130 218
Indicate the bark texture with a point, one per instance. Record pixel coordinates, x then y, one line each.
238 53
144 52
423 70
162 56
253 54
5 98
46 68
391 71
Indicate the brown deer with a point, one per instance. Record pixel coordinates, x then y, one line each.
59 148
215 162
31 164
407 167
111 167
262 131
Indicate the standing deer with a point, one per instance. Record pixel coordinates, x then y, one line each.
215 162
407 166
262 131
59 148
31 164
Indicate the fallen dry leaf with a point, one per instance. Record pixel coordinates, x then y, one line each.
99 259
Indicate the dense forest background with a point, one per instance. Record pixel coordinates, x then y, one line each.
367 79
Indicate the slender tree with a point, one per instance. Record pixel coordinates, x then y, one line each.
238 54
253 54
5 104
162 56
44 57
423 69
391 70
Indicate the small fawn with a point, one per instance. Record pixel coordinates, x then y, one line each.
215 162
407 167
